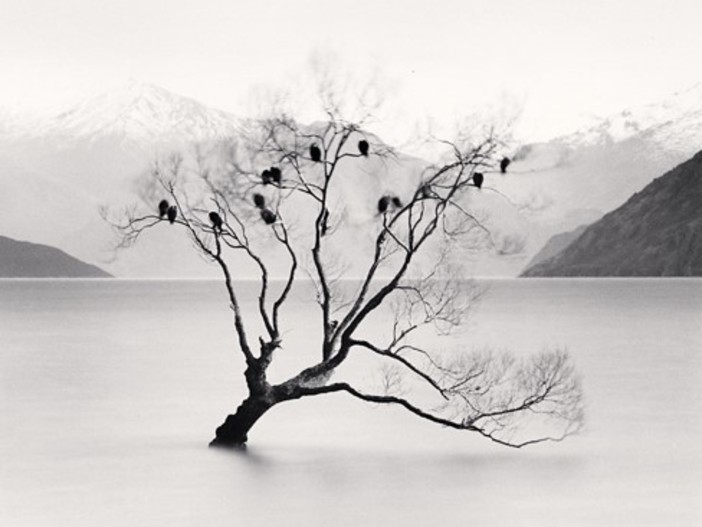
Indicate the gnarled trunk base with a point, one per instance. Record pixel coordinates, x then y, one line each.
233 432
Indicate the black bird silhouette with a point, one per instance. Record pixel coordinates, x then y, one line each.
425 191
172 214
504 164
383 204
216 220
276 175
396 202
268 216
363 147
315 153
478 179
163 208
266 177
259 201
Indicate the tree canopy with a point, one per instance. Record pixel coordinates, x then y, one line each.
317 203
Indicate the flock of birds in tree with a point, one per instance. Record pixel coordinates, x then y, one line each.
273 175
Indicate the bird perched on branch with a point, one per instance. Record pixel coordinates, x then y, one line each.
217 222
266 177
259 201
172 214
268 216
504 164
315 153
386 202
363 147
276 175
478 179
163 208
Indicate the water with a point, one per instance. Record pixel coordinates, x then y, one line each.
110 391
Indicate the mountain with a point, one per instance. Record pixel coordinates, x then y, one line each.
657 232
20 259
574 179
135 113
556 244
59 171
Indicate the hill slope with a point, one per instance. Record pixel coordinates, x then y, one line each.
30 260
556 244
657 232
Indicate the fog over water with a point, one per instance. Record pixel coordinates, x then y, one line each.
111 390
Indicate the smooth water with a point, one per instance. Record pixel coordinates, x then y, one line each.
111 390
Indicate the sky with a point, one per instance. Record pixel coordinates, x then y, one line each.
555 63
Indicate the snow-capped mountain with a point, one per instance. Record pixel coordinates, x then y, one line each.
573 179
137 113
60 170
674 123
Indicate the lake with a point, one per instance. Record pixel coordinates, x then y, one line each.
111 390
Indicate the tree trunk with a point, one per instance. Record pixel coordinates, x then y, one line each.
233 432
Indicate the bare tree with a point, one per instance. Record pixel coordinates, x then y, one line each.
275 194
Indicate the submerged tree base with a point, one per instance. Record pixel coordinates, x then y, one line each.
233 433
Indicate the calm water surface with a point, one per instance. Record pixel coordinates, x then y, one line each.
110 391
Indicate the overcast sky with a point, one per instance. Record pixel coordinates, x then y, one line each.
561 60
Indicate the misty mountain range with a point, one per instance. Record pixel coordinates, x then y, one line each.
56 173
657 232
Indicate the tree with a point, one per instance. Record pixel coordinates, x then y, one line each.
277 193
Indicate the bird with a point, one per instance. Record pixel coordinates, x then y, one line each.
163 208
396 202
268 216
266 177
315 153
259 201
504 164
383 204
363 147
276 175
172 214
216 220
478 179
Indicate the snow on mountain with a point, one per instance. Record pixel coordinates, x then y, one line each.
66 166
138 113
673 123
575 179
58 171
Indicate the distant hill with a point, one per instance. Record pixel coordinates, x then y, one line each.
31 260
556 244
657 232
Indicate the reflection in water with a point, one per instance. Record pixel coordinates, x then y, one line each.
110 392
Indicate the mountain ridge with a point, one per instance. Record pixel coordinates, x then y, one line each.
657 232
99 149
22 259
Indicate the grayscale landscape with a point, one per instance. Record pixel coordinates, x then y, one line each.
380 263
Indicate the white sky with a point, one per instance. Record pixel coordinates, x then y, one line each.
564 60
